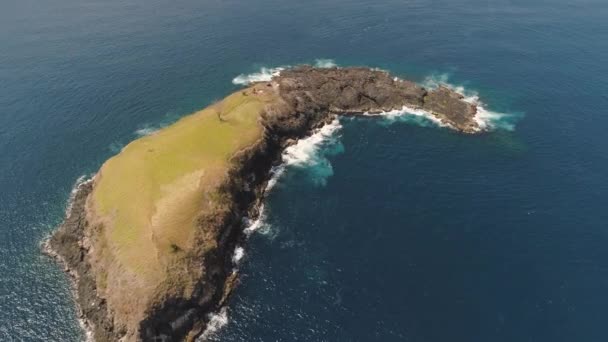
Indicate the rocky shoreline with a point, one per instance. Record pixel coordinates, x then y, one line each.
308 99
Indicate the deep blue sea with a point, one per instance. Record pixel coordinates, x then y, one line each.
389 229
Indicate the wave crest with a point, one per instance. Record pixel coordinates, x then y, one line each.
311 153
487 119
264 75
216 322
325 63
146 131
308 153
410 115
82 180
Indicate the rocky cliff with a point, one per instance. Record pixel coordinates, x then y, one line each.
304 99
313 92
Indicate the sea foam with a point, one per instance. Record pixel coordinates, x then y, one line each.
308 153
487 119
142 132
410 115
82 180
265 74
150 128
325 63
306 150
216 322
239 253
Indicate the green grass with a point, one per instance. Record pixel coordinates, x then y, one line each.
150 195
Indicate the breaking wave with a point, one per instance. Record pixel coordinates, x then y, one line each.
216 322
239 253
305 151
325 63
116 146
308 154
265 74
487 119
82 180
147 128
311 153
410 115
146 131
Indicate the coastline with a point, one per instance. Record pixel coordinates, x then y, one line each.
76 207
74 278
295 116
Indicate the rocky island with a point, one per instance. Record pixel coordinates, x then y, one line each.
149 240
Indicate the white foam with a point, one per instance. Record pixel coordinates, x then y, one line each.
325 63
116 147
486 119
79 182
254 225
435 80
257 224
264 75
275 173
490 120
146 131
419 116
239 253
151 128
305 150
216 322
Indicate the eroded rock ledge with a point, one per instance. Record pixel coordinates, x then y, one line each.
312 92
306 99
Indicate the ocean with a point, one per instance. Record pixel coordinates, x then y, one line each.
383 229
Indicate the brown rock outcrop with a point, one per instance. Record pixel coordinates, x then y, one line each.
307 98
310 92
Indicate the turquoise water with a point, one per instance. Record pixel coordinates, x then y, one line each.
396 231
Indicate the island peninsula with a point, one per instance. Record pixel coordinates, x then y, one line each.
149 240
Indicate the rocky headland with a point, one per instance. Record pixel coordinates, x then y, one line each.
146 269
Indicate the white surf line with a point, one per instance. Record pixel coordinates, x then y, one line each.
265 74
216 322
325 63
80 181
300 153
393 115
142 132
486 119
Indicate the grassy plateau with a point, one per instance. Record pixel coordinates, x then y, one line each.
146 199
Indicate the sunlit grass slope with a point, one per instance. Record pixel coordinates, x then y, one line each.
150 195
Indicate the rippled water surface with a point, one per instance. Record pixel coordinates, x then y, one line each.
392 229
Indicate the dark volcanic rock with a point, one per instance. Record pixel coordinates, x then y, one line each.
449 106
69 246
309 92
307 99
347 90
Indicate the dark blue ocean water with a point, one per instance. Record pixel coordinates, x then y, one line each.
396 232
